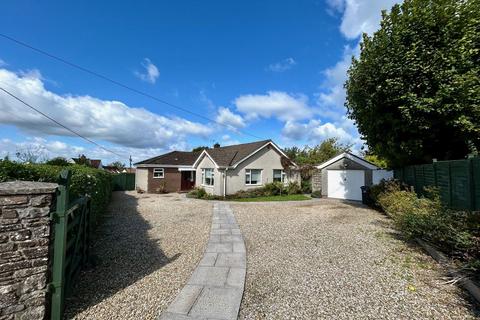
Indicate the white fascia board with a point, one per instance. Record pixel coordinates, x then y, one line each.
161 165
204 152
351 157
266 144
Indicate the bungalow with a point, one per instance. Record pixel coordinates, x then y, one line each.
221 171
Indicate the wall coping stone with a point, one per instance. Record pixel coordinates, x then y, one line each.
26 187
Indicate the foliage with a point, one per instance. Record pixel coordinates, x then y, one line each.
58 161
31 154
316 194
329 148
290 197
414 92
306 186
216 145
85 181
376 160
293 188
198 149
117 164
455 232
198 193
384 186
268 190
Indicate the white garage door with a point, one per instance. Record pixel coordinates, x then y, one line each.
345 184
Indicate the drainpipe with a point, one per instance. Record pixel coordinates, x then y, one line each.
225 183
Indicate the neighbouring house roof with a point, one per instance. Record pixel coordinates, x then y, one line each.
174 158
95 163
351 157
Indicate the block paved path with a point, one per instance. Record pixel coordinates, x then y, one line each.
215 288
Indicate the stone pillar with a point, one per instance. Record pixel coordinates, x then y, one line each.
24 248
316 180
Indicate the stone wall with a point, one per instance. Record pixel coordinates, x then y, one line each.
317 180
24 248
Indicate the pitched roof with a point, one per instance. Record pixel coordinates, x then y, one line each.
230 155
178 158
350 156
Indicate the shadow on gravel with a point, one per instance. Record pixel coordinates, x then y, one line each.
123 253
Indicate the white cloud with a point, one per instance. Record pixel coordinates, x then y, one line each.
111 121
360 16
227 117
2 63
282 66
314 132
274 104
151 72
228 141
48 149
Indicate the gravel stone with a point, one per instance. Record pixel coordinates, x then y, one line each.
327 259
146 250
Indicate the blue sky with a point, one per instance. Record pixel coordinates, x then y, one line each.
273 69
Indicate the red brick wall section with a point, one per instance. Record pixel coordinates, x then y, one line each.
24 248
170 183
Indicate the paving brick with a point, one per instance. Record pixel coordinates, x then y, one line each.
231 260
239 247
209 276
236 277
218 303
208 259
220 247
185 299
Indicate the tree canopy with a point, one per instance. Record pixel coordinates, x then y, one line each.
329 148
414 91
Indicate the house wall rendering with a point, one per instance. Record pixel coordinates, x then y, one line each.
207 163
141 179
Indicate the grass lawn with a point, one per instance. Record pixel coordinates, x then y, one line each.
289 197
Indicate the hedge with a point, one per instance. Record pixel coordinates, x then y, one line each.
85 180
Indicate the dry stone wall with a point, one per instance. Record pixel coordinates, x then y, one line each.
24 248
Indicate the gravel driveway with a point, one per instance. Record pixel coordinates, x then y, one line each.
148 247
325 259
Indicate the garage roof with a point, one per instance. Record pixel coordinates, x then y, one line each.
351 157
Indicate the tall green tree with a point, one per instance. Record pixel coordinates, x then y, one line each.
414 92
329 148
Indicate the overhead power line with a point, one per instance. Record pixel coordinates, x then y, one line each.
122 85
58 123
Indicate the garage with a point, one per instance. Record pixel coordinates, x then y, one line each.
342 176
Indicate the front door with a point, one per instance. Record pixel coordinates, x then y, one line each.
188 180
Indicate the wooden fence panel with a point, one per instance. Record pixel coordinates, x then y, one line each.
124 181
458 181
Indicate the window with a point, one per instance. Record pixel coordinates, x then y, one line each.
278 175
207 177
158 173
253 176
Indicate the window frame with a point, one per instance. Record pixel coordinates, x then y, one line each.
283 176
158 170
248 172
204 177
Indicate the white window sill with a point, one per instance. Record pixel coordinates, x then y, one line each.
158 177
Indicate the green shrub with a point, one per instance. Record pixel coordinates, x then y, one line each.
316 194
272 189
58 161
84 181
306 186
389 185
198 193
293 188
455 232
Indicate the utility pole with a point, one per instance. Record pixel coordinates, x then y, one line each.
130 159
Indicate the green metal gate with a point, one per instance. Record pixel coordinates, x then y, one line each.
72 221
